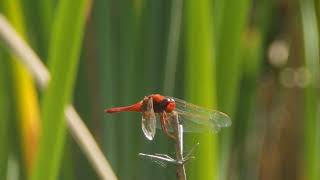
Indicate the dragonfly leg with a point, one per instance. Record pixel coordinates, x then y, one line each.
164 125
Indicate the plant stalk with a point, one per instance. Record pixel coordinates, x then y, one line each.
178 134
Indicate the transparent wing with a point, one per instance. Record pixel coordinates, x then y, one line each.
198 119
149 120
158 159
188 126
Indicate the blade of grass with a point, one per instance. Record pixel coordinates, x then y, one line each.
63 59
230 27
76 126
86 101
25 93
200 79
4 118
127 149
312 107
173 46
247 106
228 51
105 69
253 53
67 167
39 16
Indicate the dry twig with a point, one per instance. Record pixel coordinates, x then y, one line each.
178 133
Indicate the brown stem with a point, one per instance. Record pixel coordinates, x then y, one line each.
178 133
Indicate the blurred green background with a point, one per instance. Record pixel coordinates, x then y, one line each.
257 60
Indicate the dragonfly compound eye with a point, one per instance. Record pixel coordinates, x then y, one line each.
170 106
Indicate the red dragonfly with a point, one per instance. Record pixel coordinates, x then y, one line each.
193 118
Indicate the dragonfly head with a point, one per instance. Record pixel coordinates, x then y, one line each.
170 105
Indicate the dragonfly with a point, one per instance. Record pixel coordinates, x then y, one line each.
192 117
